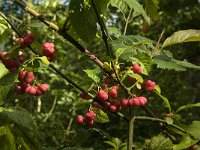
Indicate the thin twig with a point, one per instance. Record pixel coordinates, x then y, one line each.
127 21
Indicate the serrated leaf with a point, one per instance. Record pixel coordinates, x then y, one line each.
166 101
159 143
83 19
194 129
8 79
169 120
93 74
168 64
101 116
187 106
182 36
185 143
186 64
120 4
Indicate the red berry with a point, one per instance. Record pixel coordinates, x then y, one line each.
90 115
90 123
21 75
142 100
114 92
39 92
102 95
133 80
113 108
48 49
124 103
31 90
107 104
134 102
168 115
117 104
21 58
137 69
10 63
149 85
19 90
80 119
29 77
43 88
107 80
22 44
28 39
2 55
85 96
97 105
104 86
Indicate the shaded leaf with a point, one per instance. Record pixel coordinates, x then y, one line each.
182 36
151 7
187 106
93 74
83 19
101 117
169 120
194 129
3 70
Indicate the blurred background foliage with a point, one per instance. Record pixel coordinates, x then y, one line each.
55 113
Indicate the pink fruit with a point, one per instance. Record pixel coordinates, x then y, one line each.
149 85
168 115
21 75
114 92
124 103
2 55
107 80
80 119
142 100
85 96
22 44
134 102
39 92
90 123
28 39
90 115
48 49
29 77
107 104
31 90
102 95
51 57
10 63
137 69
43 88
113 108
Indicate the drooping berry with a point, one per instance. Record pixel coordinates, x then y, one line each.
168 115
124 103
90 123
149 85
38 92
85 96
114 92
142 100
137 69
43 88
102 95
48 49
107 104
51 57
21 58
21 75
29 77
134 102
97 105
90 115
19 90
107 80
80 119
31 90
113 108
21 43
104 86
10 63
28 39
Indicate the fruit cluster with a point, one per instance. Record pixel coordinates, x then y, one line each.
26 79
49 51
108 99
87 119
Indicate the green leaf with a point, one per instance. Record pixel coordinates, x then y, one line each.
101 6
186 64
119 52
185 143
101 117
3 70
7 140
182 36
120 4
159 143
135 5
152 8
115 31
35 23
167 64
3 93
166 101
169 120
3 24
187 106
20 117
83 19
44 60
157 88
194 129
93 74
